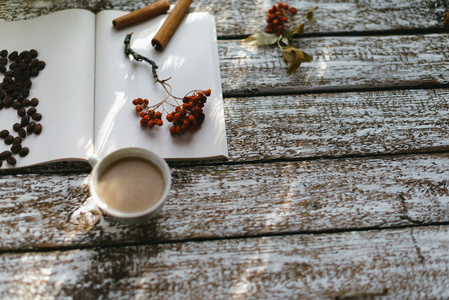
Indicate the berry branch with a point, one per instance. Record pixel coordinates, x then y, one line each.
188 116
279 32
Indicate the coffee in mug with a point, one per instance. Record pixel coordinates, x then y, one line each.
130 184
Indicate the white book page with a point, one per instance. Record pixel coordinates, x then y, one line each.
65 40
190 59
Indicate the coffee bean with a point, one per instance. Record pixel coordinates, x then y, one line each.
34 63
25 120
5 154
41 65
17 140
27 83
11 161
31 111
13 66
4 133
22 133
8 101
24 151
25 92
3 60
30 127
37 129
16 105
16 148
4 53
8 140
26 102
34 102
13 55
21 112
2 69
34 72
36 117
1 104
16 126
33 53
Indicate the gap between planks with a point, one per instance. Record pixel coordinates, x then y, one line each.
228 238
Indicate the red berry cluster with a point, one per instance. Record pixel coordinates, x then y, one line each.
278 16
148 117
186 117
189 116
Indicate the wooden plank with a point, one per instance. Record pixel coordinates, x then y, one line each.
338 61
337 124
245 17
291 127
39 211
397 264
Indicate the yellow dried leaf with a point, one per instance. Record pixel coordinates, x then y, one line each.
261 39
299 29
295 57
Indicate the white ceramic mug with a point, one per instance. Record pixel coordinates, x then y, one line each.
101 165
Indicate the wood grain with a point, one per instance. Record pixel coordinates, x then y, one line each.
338 61
55 211
396 264
245 17
291 127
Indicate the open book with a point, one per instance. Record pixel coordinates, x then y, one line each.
86 90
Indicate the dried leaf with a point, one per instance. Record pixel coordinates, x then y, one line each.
285 41
261 39
311 15
446 18
299 29
295 57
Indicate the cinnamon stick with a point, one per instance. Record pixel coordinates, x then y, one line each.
170 25
143 13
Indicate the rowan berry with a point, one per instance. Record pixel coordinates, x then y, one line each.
139 108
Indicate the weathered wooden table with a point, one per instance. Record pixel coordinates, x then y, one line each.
336 186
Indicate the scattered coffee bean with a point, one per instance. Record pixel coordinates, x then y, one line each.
26 102
37 129
17 140
22 132
8 101
16 126
36 117
8 140
5 154
31 111
16 105
13 55
18 70
34 102
16 148
24 151
25 120
4 133
41 65
21 112
30 127
33 53
11 161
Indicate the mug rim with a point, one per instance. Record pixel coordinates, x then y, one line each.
128 152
